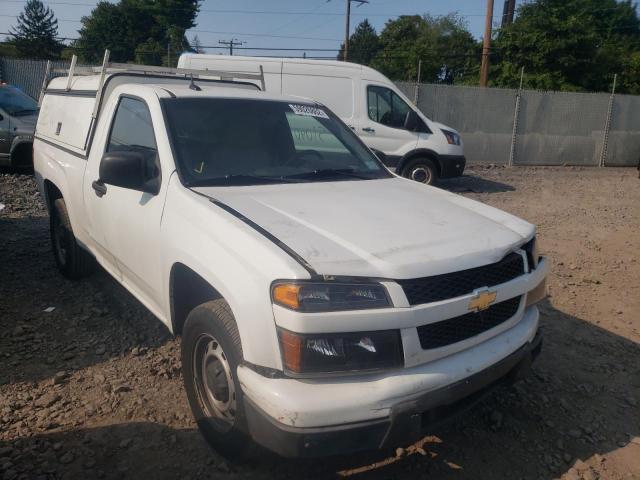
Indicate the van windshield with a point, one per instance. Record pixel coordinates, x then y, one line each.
223 141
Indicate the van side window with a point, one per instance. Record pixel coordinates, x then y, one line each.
386 107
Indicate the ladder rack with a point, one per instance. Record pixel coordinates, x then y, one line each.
111 67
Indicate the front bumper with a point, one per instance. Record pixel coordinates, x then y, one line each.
406 422
451 165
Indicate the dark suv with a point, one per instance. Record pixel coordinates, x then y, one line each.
18 116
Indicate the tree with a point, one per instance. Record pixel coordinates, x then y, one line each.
448 51
569 45
363 44
146 31
36 32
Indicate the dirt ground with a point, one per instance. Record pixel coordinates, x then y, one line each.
90 383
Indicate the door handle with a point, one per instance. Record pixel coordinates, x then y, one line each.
368 130
99 187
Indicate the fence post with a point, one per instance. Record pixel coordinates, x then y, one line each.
516 115
416 94
607 125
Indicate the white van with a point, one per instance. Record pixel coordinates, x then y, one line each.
405 140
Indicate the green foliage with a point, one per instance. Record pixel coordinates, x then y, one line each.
569 45
145 31
363 44
448 51
36 32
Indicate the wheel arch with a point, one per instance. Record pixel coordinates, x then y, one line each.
419 153
187 290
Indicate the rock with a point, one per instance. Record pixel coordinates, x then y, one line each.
135 351
59 378
47 400
100 349
68 355
57 446
99 378
66 458
496 419
580 466
126 443
122 388
567 458
400 452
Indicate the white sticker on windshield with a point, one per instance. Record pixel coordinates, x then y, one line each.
308 111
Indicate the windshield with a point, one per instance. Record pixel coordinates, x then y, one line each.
16 103
222 141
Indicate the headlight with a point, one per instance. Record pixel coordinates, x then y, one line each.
329 296
452 137
340 352
533 255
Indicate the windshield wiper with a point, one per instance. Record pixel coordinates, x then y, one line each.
240 179
330 172
26 110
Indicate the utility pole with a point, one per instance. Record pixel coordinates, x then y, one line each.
486 45
508 12
346 30
231 43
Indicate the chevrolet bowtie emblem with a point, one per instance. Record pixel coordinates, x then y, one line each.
482 300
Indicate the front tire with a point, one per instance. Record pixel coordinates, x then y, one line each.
422 170
211 353
72 260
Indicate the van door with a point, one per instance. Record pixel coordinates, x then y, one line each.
381 124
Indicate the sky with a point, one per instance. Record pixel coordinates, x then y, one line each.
300 24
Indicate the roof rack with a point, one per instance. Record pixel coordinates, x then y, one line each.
110 67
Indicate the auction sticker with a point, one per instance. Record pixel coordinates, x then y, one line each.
308 111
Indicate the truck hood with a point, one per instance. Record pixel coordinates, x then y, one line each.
389 228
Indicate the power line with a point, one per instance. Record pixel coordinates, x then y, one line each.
231 43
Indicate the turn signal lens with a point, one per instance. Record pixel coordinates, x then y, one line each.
286 294
329 296
291 345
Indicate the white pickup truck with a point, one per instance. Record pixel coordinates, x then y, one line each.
325 304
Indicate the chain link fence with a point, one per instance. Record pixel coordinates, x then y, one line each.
528 127
500 126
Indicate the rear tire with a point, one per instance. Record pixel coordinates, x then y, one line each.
72 260
422 170
211 353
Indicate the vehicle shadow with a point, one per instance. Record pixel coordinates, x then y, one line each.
50 324
579 403
472 183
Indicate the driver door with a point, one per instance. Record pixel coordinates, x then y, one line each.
382 128
126 222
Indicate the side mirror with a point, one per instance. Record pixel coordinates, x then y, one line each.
411 121
129 169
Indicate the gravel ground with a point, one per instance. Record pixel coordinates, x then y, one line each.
90 383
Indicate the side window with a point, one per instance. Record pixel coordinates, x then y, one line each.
386 107
132 129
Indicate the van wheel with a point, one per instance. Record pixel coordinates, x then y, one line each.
421 170
211 352
72 260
